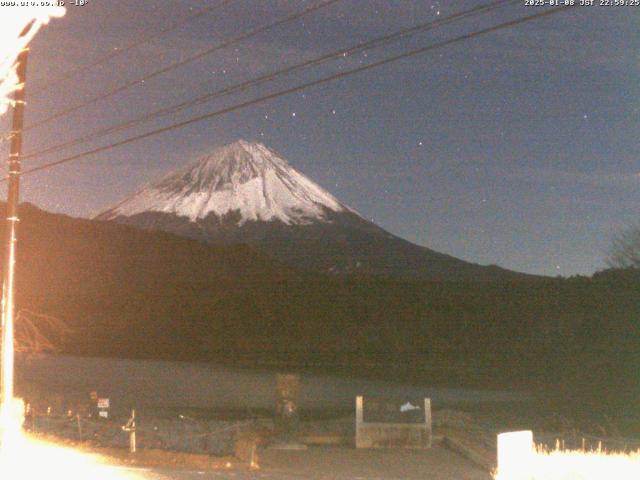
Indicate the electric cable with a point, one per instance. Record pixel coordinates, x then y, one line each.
365 45
119 51
304 86
181 63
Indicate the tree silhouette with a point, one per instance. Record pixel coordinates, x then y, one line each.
625 249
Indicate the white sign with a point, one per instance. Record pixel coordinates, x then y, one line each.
407 407
103 403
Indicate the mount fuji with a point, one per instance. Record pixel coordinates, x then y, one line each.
246 193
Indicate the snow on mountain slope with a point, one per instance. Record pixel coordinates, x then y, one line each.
245 193
243 177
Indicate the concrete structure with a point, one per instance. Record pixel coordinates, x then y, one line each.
394 425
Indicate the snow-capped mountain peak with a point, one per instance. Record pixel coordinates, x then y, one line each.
243 177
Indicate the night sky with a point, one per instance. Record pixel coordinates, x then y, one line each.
517 148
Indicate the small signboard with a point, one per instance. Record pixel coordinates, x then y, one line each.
393 422
103 407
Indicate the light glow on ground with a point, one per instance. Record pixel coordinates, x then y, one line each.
27 458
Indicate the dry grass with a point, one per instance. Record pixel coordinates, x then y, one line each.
577 465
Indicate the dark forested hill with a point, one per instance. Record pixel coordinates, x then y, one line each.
130 293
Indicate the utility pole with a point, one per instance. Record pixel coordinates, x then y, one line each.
13 196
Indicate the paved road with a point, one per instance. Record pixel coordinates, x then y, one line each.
134 473
337 463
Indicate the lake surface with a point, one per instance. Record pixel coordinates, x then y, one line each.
166 384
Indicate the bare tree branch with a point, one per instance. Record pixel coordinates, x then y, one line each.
37 332
625 249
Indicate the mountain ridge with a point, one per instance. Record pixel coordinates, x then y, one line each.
246 193
245 177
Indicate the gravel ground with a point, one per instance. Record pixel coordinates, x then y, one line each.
348 463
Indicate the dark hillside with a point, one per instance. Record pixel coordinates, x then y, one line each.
136 294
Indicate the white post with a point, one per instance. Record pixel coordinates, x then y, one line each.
132 433
515 455
427 421
359 420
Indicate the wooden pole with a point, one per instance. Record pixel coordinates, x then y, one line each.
79 427
13 197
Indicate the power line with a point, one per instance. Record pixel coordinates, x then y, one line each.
304 86
119 51
301 87
181 63
369 44
375 43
